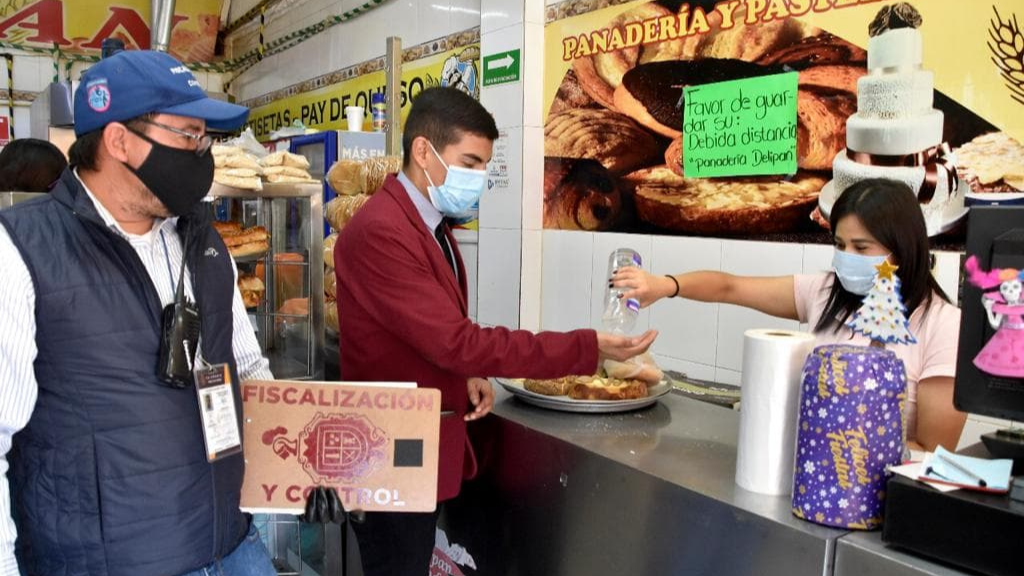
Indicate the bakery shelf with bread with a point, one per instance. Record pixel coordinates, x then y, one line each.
276 238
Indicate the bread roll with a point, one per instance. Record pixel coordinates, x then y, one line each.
741 205
285 178
223 228
249 249
641 368
375 170
287 159
345 177
608 389
821 126
550 387
330 285
244 183
286 171
600 74
238 161
342 208
571 95
331 314
613 139
329 243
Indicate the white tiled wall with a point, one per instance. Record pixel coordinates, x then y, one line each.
499 277
510 251
684 325
567 280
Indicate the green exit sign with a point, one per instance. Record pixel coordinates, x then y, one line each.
502 68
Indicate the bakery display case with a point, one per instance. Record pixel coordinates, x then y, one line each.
276 238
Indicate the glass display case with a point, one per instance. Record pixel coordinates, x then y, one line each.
289 323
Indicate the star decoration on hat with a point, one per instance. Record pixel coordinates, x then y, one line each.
885 270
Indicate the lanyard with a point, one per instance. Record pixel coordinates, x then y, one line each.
167 258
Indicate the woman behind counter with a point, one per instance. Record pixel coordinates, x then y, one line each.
873 221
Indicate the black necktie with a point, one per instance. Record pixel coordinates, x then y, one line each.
442 239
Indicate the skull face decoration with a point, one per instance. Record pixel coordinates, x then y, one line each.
1003 355
1010 290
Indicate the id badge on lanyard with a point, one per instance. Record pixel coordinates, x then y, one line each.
218 411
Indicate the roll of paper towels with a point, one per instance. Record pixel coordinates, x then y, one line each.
769 403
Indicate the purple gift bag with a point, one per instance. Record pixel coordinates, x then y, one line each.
850 430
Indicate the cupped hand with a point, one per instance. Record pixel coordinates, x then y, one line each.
622 348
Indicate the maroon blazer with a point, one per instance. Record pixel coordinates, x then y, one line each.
403 317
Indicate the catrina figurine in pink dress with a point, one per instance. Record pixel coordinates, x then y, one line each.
1003 355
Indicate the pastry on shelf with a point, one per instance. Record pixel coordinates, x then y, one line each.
252 289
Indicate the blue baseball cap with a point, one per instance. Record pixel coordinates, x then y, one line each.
136 82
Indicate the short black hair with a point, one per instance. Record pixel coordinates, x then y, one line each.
84 151
443 116
890 211
30 165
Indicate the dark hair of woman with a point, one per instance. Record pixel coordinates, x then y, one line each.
890 212
30 165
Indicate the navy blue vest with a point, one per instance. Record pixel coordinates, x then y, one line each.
110 477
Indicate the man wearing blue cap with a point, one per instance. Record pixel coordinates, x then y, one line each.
114 471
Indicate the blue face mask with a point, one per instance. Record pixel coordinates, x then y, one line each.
460 191
856 272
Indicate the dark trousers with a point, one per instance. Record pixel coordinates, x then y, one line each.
396 544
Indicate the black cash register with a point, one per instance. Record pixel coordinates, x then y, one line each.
974 530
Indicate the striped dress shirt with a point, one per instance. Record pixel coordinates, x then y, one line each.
161 253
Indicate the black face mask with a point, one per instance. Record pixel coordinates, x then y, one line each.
177 177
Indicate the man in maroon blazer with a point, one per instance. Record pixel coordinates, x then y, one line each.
403 312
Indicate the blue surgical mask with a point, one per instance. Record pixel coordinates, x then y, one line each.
460 191
856 272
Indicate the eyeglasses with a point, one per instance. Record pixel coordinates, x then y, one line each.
203 141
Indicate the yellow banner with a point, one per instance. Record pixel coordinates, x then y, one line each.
324 108
82 25
620 84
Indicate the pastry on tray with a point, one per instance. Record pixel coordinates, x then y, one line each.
588 387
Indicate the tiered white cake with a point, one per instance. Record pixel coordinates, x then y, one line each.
895 119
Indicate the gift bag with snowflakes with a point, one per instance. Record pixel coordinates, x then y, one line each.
850 430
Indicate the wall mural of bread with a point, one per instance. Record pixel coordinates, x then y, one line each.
616 71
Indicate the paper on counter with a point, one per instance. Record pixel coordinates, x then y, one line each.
914 470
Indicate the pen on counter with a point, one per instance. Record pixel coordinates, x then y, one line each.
981 481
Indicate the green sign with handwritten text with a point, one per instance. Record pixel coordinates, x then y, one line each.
740 127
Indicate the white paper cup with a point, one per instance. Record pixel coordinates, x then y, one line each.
355 115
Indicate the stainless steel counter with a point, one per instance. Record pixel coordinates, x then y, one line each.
647 492
650 492
864 554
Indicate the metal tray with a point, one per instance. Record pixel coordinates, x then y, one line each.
566 404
